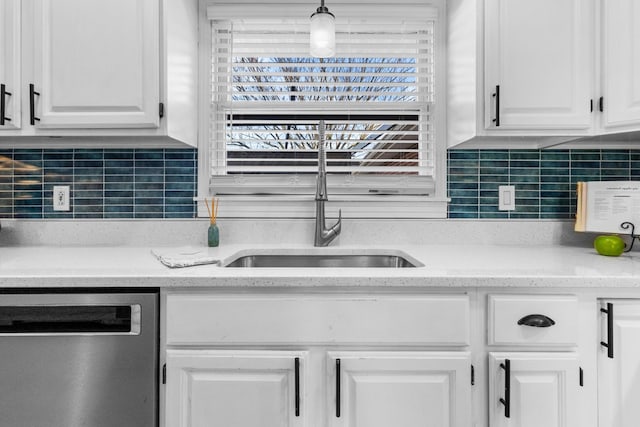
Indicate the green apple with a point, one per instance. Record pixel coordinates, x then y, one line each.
610 245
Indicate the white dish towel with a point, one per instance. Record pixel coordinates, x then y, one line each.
184 257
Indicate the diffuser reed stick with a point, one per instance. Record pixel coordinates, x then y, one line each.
213 234
213 210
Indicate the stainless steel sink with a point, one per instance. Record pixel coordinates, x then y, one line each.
322 260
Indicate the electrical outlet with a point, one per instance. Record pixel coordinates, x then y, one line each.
61 198
506 197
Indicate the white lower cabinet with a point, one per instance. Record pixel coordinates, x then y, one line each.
287 360
537 376
235 388
400 360
619 364
400 389
253 388
534 390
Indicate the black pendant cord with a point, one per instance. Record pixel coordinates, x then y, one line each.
322 9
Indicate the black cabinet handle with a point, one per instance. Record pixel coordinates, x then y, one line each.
32 104
338 388
496 95
537 321
297 385
609 312
507 387
601 104
3 95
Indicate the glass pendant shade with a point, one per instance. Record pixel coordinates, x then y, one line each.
323 34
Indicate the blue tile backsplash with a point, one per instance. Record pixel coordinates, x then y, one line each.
109 183
161 183
545 180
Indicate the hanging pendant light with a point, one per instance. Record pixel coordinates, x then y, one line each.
323 33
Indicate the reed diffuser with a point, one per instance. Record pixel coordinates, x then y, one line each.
213 234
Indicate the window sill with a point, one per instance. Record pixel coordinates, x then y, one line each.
303 206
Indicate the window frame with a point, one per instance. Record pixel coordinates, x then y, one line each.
302 205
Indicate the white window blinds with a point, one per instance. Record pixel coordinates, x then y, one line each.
375 95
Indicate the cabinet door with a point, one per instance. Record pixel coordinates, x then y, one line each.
235 388
10 64
96 63
370 389
619 376
536 389
621 63
539 53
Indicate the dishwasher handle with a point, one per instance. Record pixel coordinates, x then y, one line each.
70 319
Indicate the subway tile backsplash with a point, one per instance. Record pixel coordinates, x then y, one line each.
104 183
545 180
161 183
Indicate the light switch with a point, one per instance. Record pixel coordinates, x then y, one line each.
506 197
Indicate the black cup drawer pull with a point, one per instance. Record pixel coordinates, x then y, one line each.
537 321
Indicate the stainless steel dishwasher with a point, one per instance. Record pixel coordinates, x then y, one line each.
79 359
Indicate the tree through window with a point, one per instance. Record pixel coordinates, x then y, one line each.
375 96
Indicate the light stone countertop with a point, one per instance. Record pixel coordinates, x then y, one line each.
469 265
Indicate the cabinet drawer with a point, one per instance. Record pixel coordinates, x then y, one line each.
509 315
285 319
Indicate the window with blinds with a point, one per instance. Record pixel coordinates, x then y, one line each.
376 97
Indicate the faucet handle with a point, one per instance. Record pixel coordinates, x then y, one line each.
338 225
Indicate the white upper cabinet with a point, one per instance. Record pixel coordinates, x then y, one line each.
96 63
538 65
538 73
621 65
9 64
520 72
107 71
